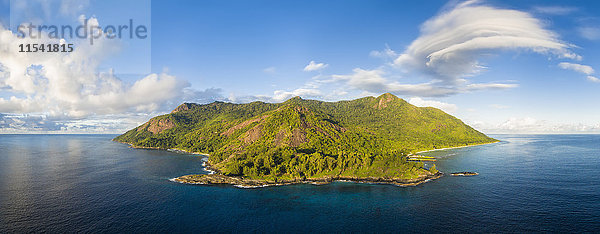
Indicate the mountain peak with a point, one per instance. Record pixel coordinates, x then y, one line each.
182 107
384 99
293 100
388 96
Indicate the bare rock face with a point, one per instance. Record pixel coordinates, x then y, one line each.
244 124
253 134
384 99
298 137
182 107
279 137
215 179
156 126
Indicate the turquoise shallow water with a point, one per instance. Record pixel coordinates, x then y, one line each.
86 183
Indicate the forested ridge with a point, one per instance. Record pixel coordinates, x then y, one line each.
366 137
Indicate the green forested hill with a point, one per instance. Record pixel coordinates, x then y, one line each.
367 137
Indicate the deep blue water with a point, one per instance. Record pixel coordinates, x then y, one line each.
87 183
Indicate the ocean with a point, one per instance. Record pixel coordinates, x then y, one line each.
87 183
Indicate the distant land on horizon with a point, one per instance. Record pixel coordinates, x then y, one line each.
298 139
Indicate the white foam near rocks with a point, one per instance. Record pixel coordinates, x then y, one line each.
181 182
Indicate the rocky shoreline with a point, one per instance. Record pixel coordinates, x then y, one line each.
240 182
464 173
175 150
215 178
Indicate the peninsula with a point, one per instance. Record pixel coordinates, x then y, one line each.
307 141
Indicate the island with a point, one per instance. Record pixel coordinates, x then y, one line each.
258 144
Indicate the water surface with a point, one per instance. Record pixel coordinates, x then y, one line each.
87 183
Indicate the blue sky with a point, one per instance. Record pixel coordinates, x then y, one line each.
500 66
236 40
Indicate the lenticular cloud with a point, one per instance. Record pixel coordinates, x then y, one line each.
451 43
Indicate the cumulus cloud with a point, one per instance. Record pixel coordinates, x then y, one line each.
526 124
313 66
24 123
529 125
385 53
70 86
282 95
369 80
278 96
447 107
452 42
41 123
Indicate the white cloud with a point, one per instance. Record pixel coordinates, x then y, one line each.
482 86
369 80
513 125
577 67
593 79
72 7
278 96
555 10
451 43
522 124
70 86
281 95
529 125
385 53
498 106
448 51
589 32
374 81
270 70
584 69
312 66
447 107
40 123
